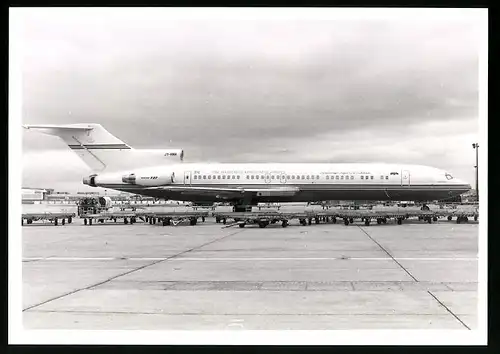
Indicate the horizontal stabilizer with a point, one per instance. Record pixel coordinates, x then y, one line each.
91 142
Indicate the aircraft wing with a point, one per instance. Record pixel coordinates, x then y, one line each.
264 192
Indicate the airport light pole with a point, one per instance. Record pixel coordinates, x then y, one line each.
476 147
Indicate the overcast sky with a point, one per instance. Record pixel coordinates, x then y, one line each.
399 90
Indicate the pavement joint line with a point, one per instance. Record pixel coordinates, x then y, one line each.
447 309
53 258
130 271
387 252
235 314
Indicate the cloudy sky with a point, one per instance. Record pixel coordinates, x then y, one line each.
399 89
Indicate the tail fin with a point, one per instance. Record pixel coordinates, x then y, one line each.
91 142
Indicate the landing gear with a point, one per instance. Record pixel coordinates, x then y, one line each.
449 218
435 219
475 217
263 224
166 222
63 221
400 221
84 221
90 221
55 222
125 221
367 222
309 221
303 222
284 223
346 222
242 225
379 221
334 220
193 221
70 220
351 220
316 220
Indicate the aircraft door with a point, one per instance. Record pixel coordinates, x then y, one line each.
405 178
268 178
187 177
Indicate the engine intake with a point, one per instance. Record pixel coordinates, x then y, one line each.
129 178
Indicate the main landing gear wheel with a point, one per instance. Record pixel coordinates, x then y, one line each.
242 225
449 218
193 221
435 219
346 222
334 220
284 223
303 222
367 222
379 221
400 221
263 224
85 221
475 217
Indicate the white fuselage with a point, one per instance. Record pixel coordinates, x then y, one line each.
286 182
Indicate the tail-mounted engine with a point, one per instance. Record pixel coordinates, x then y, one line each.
149 179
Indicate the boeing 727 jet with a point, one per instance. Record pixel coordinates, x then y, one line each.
162 174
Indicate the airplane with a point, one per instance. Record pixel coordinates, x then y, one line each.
163 174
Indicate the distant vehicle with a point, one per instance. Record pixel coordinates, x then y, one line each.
93 205
161 174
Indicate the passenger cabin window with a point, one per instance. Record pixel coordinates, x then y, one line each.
209 177
352 177
336 177
238 177
327 177
218 177
272 177
362 177
248 177
386 177
381 177
317 177
371 177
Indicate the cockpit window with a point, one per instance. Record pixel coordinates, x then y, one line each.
448 176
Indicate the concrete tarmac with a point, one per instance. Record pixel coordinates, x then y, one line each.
204 277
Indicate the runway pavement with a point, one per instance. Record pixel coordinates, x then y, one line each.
326 276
